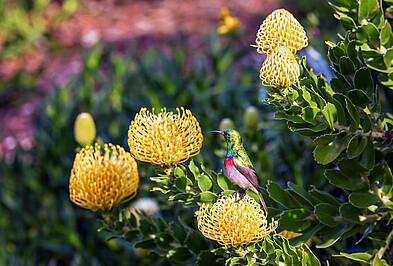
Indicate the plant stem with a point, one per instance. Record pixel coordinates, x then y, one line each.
383 249
363 218
375 135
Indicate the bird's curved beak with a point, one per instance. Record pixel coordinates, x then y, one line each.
217 131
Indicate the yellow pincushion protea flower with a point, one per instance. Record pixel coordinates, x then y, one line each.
84 129
233 223
227 23
101 181
280 68
166 138
280 28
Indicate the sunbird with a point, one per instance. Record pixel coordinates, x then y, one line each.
237 165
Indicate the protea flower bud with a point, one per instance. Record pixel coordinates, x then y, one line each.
251 117
84 129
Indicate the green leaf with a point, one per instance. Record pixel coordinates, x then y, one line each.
355 120
349 4
367 10
361 257
352 53
351 168
285 116
311 131
359 98
224 183
300 192
307 234
339 86
388 186
347 67
309 114
386 35
146 227
325 139
194 169
180 254
347 22
196 242
279 195
204 182
336 178
163 240
330 114
356 146
341 119
326 213
207 258
368 155
178 231
338 52
363 81
388 58
334 235
309 257
325 154
179 172
131 236
325 197
295 220
349 212
207 197
363 199
365 122
182 182
147 243
376 174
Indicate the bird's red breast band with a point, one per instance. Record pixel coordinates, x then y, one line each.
229 161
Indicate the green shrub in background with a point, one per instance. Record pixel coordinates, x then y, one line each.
350 205
24 25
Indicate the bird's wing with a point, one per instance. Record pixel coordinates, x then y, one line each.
250 174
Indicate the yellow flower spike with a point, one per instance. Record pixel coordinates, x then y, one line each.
84 129
280 69
166 138
224 12
280 28
99 181
233 223
227 23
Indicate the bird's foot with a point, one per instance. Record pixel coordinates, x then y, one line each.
233 194
243 195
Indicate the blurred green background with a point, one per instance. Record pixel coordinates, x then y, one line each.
60 58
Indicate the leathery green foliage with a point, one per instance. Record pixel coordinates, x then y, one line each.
352 136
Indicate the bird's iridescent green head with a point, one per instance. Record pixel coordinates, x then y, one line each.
232 137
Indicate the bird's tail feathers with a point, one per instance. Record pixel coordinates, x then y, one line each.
262 201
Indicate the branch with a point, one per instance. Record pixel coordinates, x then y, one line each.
383 249
375 135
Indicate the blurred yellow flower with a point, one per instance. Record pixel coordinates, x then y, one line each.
234 223
166 138
227 23
101 181
280 28
84 129
289 235
280 68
